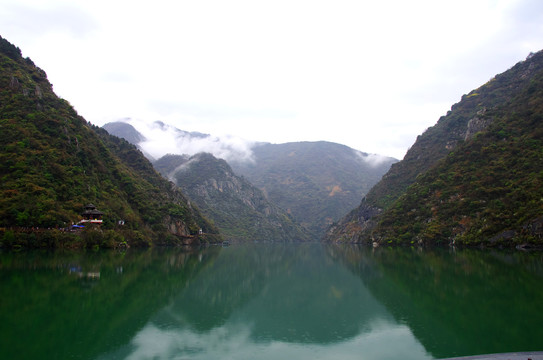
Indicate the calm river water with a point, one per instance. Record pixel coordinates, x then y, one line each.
270 301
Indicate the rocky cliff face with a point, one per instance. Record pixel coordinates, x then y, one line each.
477 124
238 208
359 221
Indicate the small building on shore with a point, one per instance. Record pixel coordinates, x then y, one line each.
91 215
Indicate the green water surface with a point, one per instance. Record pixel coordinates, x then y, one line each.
270 301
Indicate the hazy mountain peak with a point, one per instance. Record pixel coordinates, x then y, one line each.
124 130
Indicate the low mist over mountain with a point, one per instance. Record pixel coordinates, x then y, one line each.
53 163
157 139
238 208
476 177
315 182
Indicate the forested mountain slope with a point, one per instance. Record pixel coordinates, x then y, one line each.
238 208
316 182
52 163
476 177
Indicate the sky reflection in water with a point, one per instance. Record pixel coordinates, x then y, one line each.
270 301
235 342
274 302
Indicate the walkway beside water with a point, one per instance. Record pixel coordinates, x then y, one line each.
538 355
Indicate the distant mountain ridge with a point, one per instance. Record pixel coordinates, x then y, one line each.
315 182
476 177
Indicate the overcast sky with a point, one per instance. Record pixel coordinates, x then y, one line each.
368 74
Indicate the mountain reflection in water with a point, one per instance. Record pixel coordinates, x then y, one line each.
270 301
457 302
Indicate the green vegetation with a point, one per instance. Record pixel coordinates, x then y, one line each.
437 293
52 163
239 209
489 189
88 302
474 178
316 182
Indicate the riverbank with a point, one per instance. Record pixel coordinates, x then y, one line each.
95 238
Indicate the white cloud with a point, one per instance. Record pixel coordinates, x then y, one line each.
233 341
343 71
371 159
162 139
